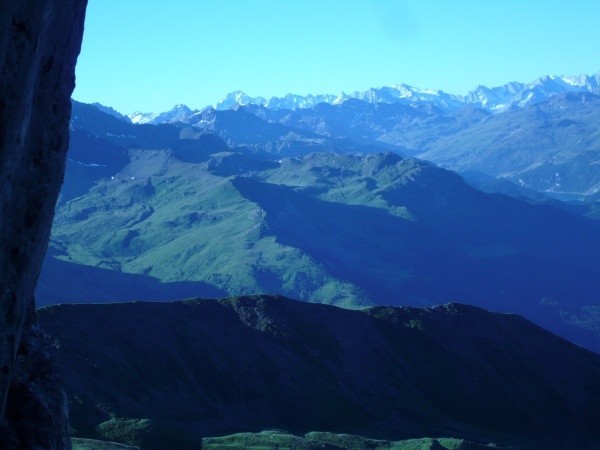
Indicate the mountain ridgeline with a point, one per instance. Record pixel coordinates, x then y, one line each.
160 212
165 375
495 99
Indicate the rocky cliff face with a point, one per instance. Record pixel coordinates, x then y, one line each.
39 44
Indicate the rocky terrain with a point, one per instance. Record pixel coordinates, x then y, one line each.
39 45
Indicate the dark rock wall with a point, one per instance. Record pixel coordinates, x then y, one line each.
39 44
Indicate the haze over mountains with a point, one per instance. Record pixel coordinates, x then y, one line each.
541 136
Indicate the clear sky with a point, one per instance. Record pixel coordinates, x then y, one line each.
149 55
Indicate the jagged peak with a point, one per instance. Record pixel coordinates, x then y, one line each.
493 99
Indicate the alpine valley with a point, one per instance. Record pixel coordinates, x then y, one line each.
384 203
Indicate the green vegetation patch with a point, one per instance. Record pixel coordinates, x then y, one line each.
128 431
323 440
93 444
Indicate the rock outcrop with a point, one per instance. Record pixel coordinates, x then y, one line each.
39 44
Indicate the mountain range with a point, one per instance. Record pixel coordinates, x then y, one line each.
541 136
495 99
166 212
550 147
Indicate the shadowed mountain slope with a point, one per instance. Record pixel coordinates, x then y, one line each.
328 228
196 368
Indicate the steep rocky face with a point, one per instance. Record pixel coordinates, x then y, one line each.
39 44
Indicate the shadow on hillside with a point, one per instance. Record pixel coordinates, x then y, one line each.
86 284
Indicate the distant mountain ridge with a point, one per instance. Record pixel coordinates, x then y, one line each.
552 147
540 136
493 99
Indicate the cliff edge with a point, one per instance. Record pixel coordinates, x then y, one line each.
39 44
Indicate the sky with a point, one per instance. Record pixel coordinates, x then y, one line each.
149 55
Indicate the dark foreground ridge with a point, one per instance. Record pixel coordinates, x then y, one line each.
156 374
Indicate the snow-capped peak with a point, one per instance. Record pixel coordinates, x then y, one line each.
495 99
238 98
179 113
140 117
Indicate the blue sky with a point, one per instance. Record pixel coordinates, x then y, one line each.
149 55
